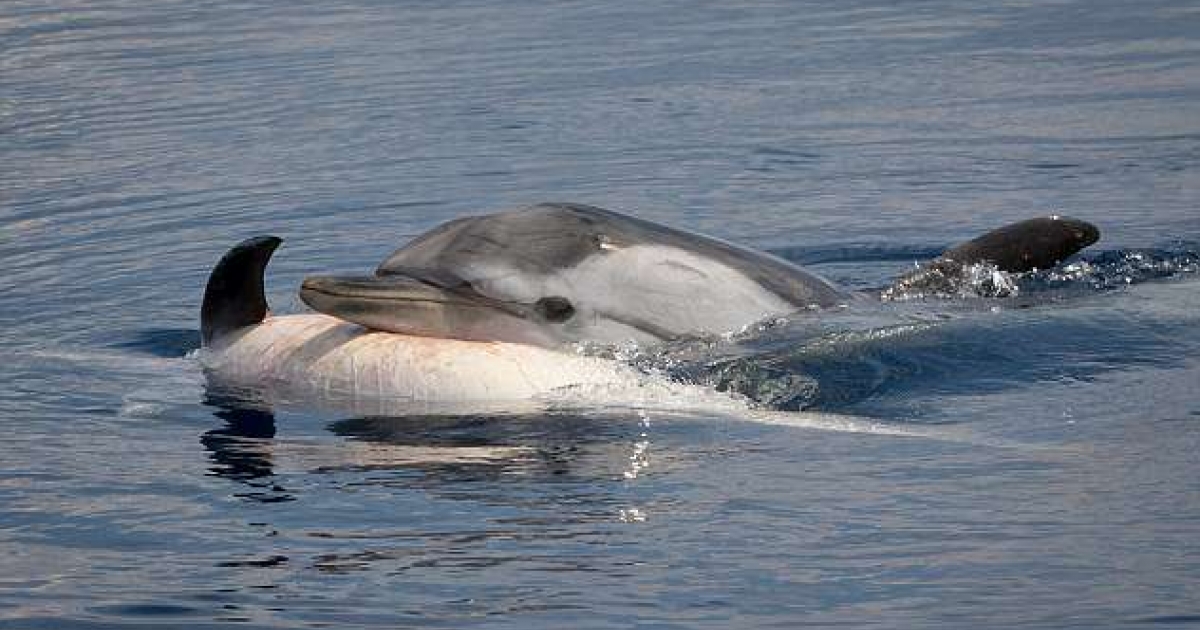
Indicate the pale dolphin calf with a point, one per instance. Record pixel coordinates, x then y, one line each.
486 308
316 354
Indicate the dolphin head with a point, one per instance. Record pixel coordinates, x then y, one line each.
438 305
559 273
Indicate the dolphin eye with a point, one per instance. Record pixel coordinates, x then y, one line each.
554 308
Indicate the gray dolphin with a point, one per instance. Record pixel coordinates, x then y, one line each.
559 273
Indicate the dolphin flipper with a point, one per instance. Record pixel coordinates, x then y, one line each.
234 296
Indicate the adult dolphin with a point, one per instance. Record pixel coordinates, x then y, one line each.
552 274
479 308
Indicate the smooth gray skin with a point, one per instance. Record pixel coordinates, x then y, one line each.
516 276
559 273
546 238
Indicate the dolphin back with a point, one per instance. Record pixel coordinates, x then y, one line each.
546 238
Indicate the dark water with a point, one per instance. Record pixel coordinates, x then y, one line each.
1031 461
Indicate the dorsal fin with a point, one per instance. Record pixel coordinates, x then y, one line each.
1037 243
234 296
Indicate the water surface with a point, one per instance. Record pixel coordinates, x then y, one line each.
1025 462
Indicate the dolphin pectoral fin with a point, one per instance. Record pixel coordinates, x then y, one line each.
1037 243
234 295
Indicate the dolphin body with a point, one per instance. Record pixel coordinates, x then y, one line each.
554 274
486 308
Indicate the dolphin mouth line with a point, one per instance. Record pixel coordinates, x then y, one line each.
398 291
350 295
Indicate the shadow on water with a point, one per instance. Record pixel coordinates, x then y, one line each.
167 343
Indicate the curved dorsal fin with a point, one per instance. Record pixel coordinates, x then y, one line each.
1031 244
234 295
1039 243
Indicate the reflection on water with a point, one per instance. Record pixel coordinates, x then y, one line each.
241 450
441 448
501 461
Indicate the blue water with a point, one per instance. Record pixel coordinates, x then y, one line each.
1021 462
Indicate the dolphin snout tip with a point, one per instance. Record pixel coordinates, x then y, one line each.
313 283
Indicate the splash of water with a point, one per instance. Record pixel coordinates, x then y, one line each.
945 279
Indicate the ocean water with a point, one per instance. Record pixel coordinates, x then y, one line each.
1030 461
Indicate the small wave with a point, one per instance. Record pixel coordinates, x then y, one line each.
867 426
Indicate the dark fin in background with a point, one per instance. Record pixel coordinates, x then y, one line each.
234 296
1027 245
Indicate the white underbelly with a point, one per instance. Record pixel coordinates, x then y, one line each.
326 356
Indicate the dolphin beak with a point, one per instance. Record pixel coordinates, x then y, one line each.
408 305
320 292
